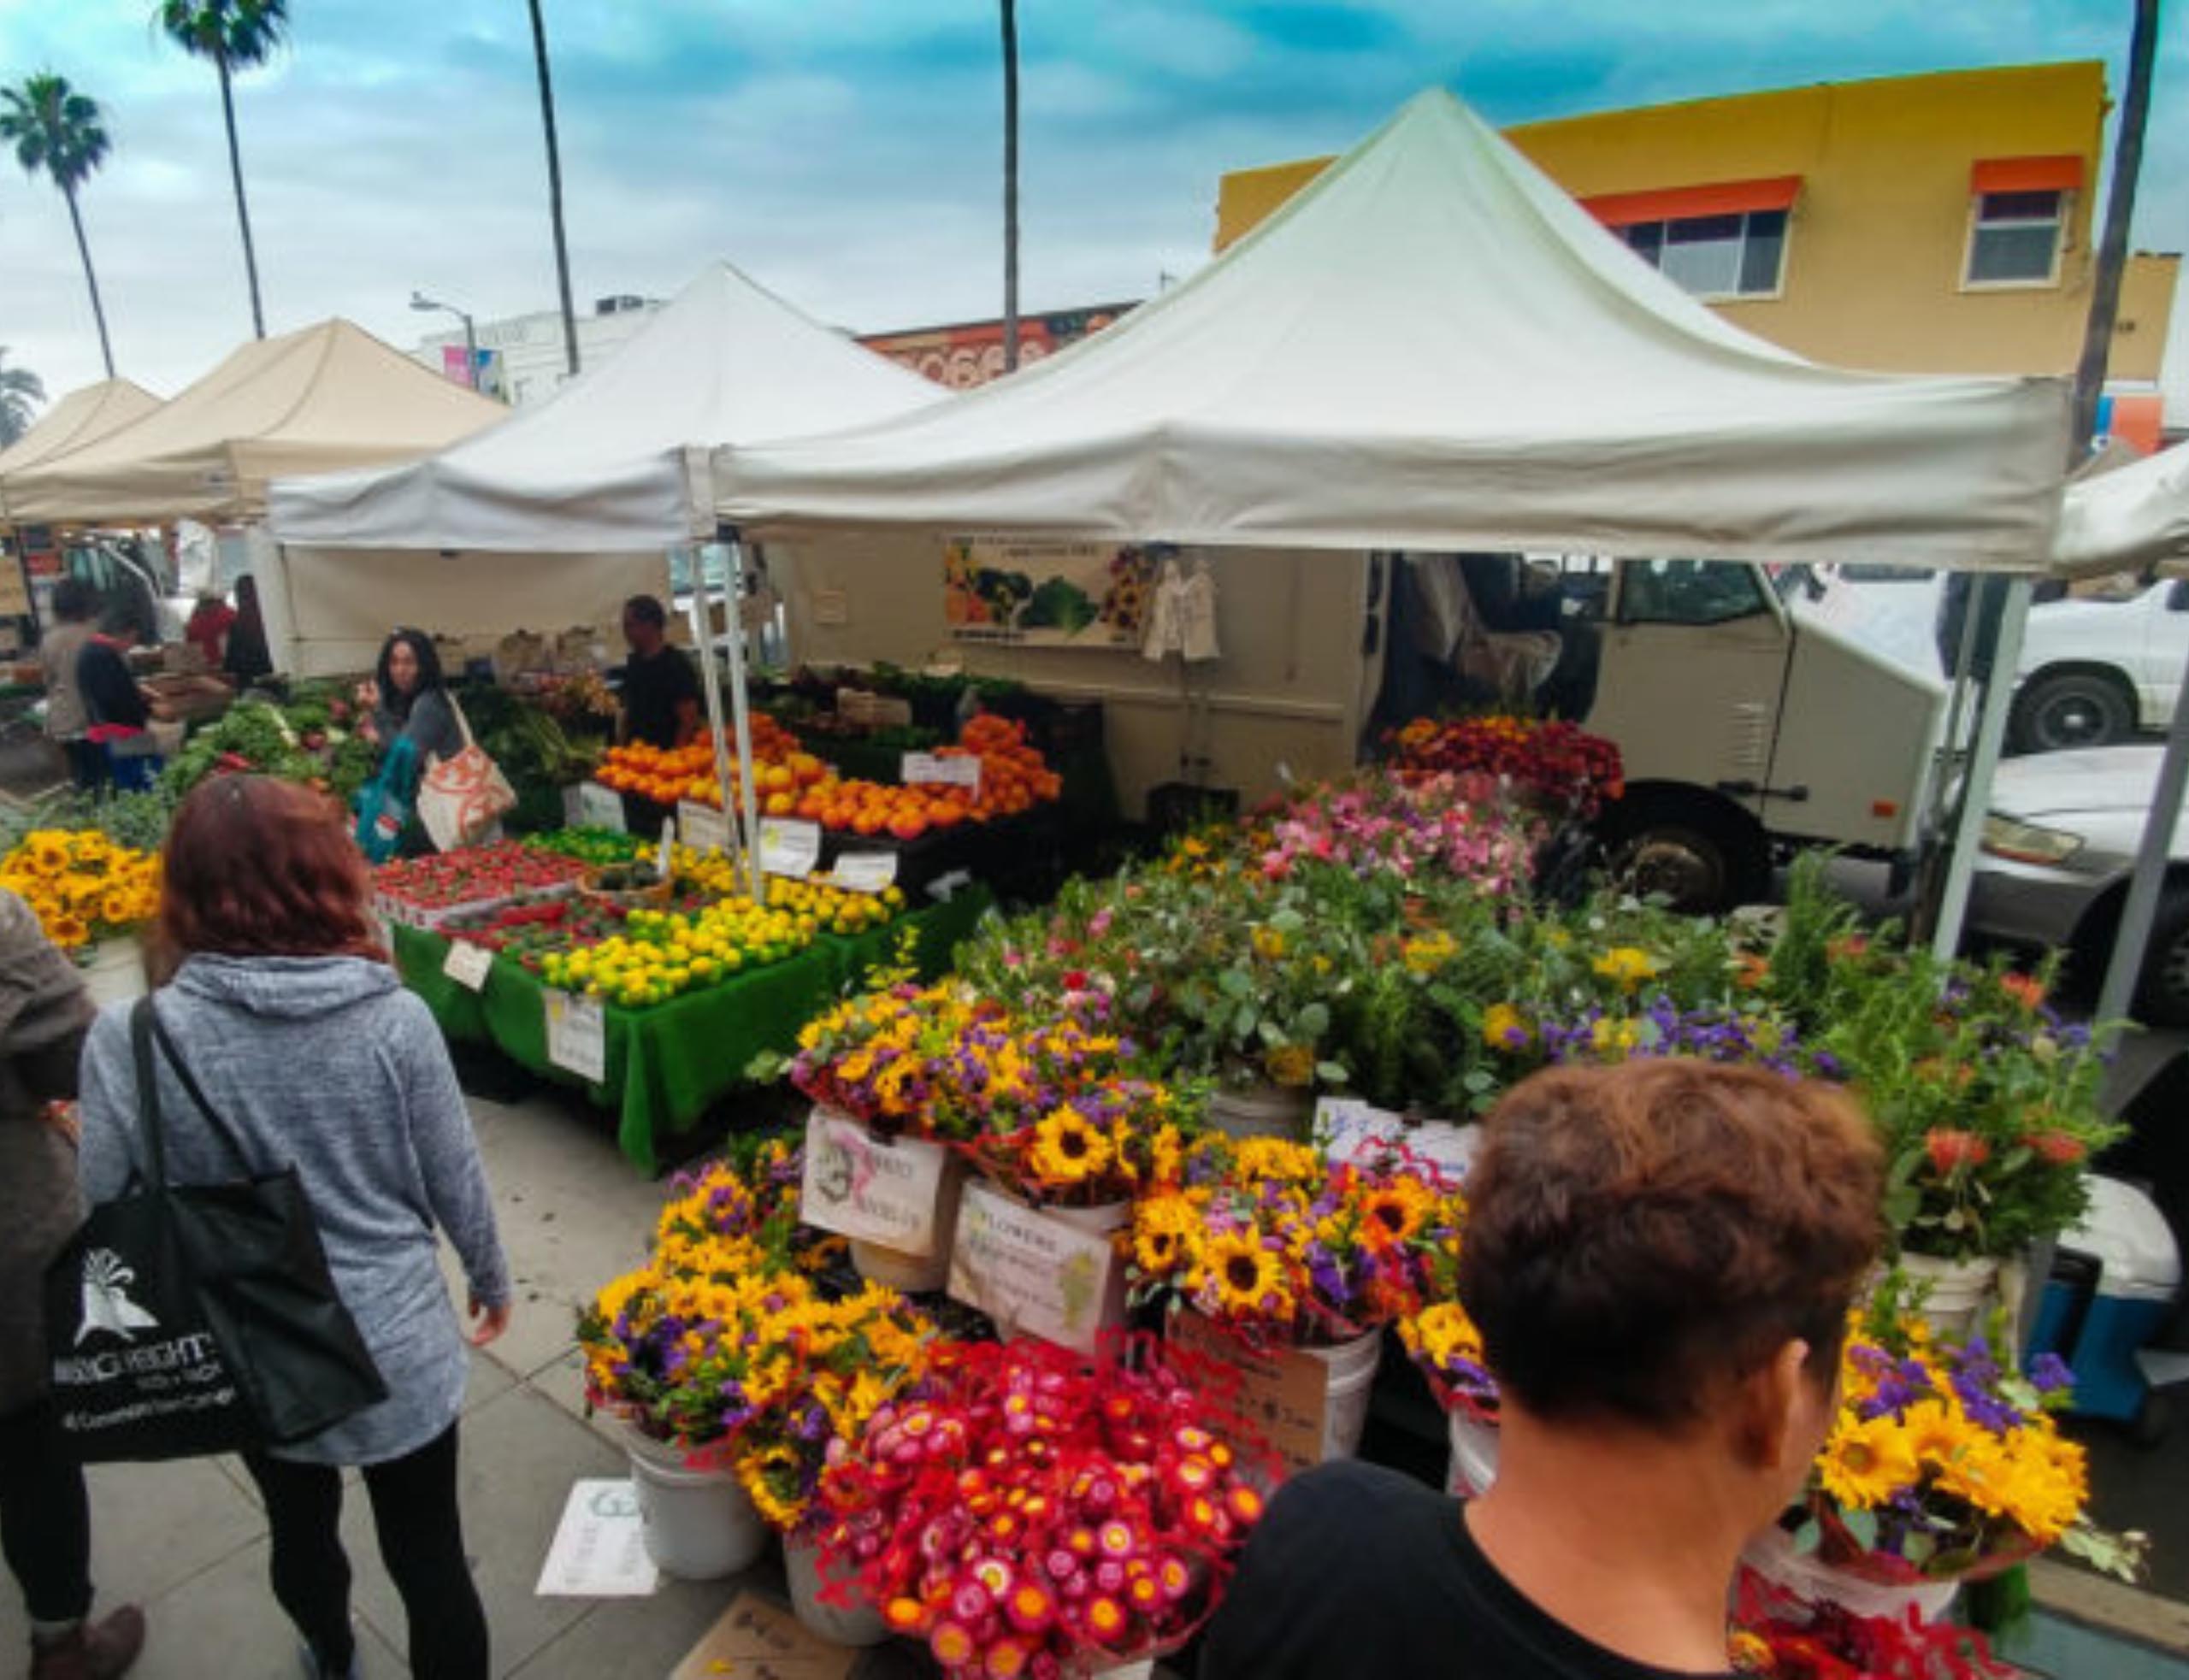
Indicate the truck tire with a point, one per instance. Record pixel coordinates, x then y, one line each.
2077 707
2162 986
1701 859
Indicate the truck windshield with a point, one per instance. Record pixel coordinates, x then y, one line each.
1689 592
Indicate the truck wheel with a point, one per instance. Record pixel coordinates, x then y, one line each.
2058 709
2162 988
1700 861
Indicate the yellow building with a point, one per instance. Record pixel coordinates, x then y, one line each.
1939 223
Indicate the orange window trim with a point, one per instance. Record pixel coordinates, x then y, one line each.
1624 209
2026 174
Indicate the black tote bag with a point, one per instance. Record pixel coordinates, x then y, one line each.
184 1320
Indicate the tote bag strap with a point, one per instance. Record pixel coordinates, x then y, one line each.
144 1028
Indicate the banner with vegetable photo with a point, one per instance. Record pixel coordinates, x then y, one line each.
1047 594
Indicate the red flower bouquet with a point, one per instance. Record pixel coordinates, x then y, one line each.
1557 765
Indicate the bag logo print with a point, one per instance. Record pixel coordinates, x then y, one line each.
106 1307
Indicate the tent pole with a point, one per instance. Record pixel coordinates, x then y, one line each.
1931 879
709 680
733 584
2134 935
1976 786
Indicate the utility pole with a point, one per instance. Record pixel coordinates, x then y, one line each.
555 189
2113 246
1010 185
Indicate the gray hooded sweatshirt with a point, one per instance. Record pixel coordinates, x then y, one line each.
328 1064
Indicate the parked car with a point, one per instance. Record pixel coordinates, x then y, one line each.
2059 844
2096 670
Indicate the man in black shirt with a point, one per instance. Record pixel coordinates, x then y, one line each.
661 690
1660 1257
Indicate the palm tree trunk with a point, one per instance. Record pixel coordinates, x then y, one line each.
242 208
91 279
1009 185
555 189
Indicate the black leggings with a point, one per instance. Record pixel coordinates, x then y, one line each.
421 1542
46 1520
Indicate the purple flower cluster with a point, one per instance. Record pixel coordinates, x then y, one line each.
1663 1028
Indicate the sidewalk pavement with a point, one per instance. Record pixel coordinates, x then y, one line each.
187 1541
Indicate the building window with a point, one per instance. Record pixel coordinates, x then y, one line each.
1735 256
2014 239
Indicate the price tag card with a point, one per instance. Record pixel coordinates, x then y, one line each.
957 772
468 964
599 1549
789 846
1284 1395
866 872
1350 1131
702 826
1030 1271
858 1186
599 807
577 1034
755 1641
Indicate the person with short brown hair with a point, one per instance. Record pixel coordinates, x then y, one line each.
1661 1257
282 1003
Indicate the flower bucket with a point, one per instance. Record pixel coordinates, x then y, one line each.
856 1622
699 1524
1772 1555
116 972
1351 1367
910 1274
1263 1110
1960 1292
1474 1455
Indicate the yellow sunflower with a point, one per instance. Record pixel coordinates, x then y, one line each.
1068 1149
1289 1063
1167 1234
68 930
1866 1463
1391 1213
1238 1275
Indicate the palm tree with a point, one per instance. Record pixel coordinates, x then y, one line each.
1010 185
21 390
236 35
56 132
555 188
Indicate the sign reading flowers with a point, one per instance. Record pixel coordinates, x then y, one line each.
1034 1272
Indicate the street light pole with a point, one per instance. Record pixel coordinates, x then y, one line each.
419 301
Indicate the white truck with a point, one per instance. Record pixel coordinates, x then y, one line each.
1746 729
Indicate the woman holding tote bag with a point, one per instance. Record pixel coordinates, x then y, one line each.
284 1009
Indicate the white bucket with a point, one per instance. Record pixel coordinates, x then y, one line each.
1474 1456
910 1274
1960 1294
1263 1110
858 1624
116 972
1352 1368
699 1524
1808 1578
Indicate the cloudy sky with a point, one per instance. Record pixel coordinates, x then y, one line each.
842 151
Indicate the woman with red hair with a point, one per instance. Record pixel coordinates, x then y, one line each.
282 1001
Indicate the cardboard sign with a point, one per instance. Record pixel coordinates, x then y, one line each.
577 1034
866 872
963 772
704 828
857 1185
1350 1131
789 846
468 964
599 1549
599 807
1283 1395
755 1641
1030 1271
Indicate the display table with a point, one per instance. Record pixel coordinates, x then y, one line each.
665 1065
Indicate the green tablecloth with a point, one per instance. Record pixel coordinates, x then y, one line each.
668 1065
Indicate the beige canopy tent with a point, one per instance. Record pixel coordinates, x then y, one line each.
78 421
325 397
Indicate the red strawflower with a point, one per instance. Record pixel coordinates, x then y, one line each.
1951 1150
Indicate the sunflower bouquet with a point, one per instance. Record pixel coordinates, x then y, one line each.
82 885
1446 1346
1269 1240
1025 1511
1945 1462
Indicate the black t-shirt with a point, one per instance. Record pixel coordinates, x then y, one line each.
1360 1573
652 690
111 694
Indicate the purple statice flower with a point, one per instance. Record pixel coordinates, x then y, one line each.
2049 1374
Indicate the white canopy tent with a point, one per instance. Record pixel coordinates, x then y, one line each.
2137 516
79 420
324 396
1432 347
